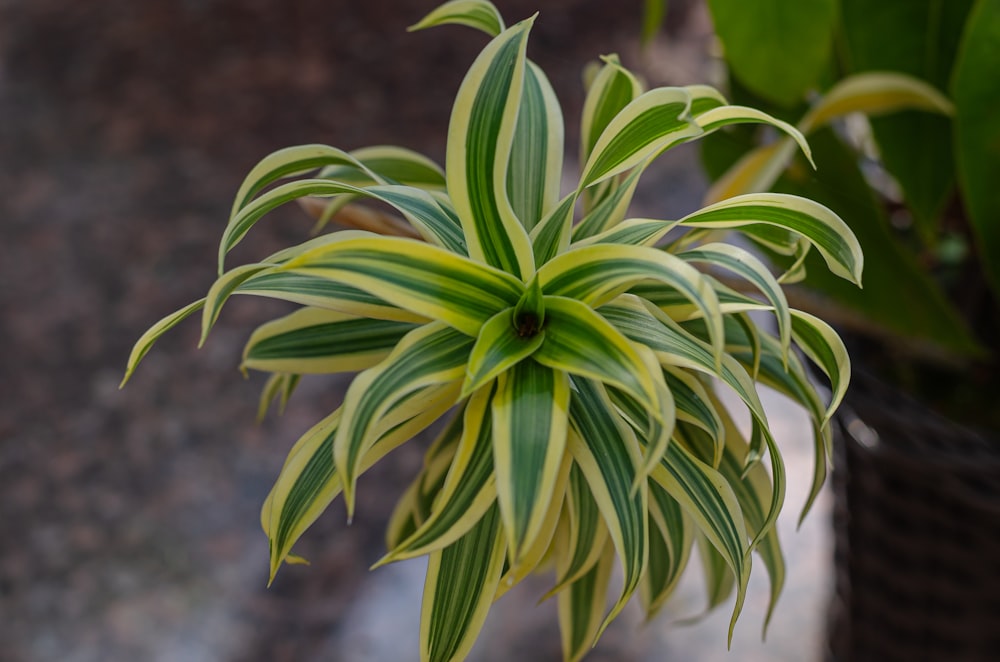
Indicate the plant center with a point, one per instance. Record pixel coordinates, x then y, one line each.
527 324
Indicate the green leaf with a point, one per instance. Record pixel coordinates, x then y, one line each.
822 344
613 88
498 347
778 49
633 232
585 534
977 131
598 273
608 454
289 162
429 355
919 39
670 539
313 340
478 14
551 236
749 267
467 492
820 225
153 333
611 209
415 276
529 439
458 591
898 296
647 126
653 13
581 342
581 605
480 139
391 164
535 169
709 500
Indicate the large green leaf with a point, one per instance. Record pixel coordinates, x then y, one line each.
920 38
777 48
898 295
529 439
977 126
480 140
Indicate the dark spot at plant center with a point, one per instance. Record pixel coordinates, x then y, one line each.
528 325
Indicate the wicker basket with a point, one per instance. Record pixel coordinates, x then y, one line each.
917 521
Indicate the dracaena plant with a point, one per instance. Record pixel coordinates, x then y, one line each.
577 353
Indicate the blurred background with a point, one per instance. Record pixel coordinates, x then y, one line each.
130 518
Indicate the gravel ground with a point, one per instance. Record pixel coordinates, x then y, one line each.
129 517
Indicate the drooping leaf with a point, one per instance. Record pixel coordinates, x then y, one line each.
581 605
477 14
153 333
777 49
458 591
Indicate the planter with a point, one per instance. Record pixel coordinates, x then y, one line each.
917 520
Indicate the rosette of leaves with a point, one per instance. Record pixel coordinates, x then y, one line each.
577 353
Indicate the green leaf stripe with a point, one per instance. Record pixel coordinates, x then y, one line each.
415 276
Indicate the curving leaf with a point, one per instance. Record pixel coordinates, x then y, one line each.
480 139
671 537
585 534
822 344
313 340
647 126
581 605
429 355
828 233
467 492
153 333
414 276
581 342
478 14
498 347
613 88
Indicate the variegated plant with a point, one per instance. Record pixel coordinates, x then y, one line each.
578 357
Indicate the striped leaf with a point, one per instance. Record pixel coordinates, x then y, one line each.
499 346
633 232
391 165
706 496
153 333
721 116
552 234
478 14
534 172
613 88
427 215
608 454
648 125
289 162
580 342
671 537
529 439
610 210
458 590
467 492
750 268
279 386
822 344
693 402
415 276
431 354
314 340
821 226
310 290
480 139
596 274
585 535
581 605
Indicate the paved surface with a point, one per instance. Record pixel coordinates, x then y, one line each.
129 518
